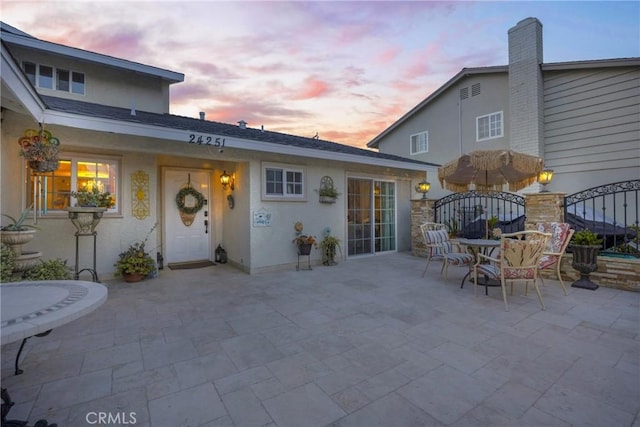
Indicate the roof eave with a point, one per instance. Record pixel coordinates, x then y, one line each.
182 135
85 55
465 72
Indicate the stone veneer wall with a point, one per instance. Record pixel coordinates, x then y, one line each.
619 273
421 211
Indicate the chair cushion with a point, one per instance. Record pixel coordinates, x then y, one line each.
559 233
459 258
440 237
520 273
547 261
490 270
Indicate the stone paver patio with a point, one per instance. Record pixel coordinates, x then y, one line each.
366 343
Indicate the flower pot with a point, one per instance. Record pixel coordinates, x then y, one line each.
585 261
304 248
132 277
327 199
44 165
26 260
16 238
85 219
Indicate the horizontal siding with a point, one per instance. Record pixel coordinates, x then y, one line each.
592 119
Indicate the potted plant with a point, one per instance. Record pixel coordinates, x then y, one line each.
585 245
93 198
135 263
329 245
328 194
17 232
305 243
40 149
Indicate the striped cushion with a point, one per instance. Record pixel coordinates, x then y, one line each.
439 237
459 258
490 270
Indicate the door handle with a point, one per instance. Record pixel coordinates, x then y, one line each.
206 226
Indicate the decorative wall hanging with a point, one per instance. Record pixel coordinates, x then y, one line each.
327 192
40 149
140 206
189 201
262 218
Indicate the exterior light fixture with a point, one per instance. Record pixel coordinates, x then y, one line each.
423 187
227 181
544 178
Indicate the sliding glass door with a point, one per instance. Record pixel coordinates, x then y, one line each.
371 216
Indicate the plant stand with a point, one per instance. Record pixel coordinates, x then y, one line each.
304 250
86 220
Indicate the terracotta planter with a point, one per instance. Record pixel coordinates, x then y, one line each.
133 277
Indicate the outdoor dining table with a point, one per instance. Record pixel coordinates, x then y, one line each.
35 308
486 247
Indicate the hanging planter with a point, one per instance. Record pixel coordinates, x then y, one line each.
40 149
327 192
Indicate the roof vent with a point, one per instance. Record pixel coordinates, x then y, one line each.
201 115
242 124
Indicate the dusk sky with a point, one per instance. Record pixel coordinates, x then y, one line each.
344 70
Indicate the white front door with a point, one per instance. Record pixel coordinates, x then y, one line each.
186 243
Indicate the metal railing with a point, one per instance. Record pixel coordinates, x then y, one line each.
611 211
467 214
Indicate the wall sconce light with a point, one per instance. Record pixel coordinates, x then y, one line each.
423 187
544 178
227 181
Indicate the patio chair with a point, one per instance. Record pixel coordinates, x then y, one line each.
561 233
519 257
439 247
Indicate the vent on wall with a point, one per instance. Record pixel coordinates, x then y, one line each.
464 93
475 89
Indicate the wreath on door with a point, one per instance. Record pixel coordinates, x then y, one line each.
181 197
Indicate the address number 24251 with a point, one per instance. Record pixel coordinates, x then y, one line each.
206 140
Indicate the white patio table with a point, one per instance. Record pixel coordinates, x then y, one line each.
35 308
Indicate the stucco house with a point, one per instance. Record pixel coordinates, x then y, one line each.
582 117
112 118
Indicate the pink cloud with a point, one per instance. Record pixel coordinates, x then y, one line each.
387 55
312 88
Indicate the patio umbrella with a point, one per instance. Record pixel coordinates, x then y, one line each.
490 170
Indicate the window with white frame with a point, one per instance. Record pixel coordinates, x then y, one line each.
51 192
489 126
283 182
42 76
419 142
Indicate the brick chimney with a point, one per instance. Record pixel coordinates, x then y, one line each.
526 88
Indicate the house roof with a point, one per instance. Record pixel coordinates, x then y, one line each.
14 36
467 72
312 147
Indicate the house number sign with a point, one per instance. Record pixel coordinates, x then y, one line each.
200 139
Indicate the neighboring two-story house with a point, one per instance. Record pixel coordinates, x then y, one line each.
112 118
582 117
